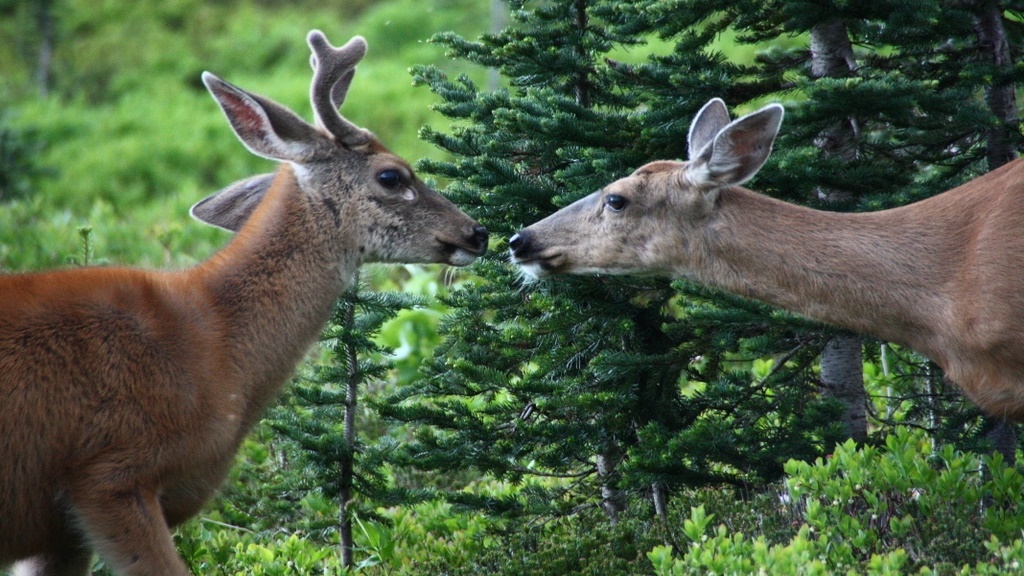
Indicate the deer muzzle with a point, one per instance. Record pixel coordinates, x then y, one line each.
531 256
468 249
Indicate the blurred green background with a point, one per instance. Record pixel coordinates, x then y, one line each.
122 136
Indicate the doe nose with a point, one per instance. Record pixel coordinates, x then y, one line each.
518 243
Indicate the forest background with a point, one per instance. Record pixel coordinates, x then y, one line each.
461 422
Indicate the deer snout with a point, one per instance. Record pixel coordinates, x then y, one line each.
470 244
528 255
479 239
536 258
519 244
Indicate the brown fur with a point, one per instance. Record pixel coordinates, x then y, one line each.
941 276
126 393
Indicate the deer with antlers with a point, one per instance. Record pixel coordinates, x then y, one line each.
942 276
126 393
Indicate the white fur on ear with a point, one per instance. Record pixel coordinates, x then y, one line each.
698 175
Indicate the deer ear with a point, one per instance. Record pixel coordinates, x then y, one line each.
709 121
266 128
231 207
738 150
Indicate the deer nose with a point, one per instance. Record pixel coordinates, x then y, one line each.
480 236
518 243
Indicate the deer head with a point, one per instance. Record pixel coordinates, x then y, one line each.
654 220
389 214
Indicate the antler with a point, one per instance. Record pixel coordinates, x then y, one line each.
333 69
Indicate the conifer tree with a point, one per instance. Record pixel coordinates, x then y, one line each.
321 411
594 380
643 385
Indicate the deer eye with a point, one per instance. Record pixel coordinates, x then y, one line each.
615 202
389 178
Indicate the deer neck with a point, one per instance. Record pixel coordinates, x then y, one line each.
274 286
877 273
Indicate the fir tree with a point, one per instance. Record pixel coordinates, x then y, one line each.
629 385
321 411
581 378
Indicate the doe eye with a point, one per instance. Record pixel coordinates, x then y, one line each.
389 178
615 202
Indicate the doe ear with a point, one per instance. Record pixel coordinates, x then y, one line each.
266 128
738 150
231 207
706 124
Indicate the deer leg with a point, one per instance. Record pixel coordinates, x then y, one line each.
128 530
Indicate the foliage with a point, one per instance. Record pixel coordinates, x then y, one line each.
901 507
19 170
320 416
413 540
212 549
579 379
624 384
904 508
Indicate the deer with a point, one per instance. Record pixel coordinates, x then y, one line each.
941 276
126 392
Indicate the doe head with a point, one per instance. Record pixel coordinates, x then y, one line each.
655 220
364 197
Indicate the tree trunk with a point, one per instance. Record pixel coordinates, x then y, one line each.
1003 436
1001 98
499 19
660 499
347 464
611 500
44 70
842 372
842 369
831 51
582 82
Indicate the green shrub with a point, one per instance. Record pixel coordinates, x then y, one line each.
585 544
210 549
904 508
899 508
